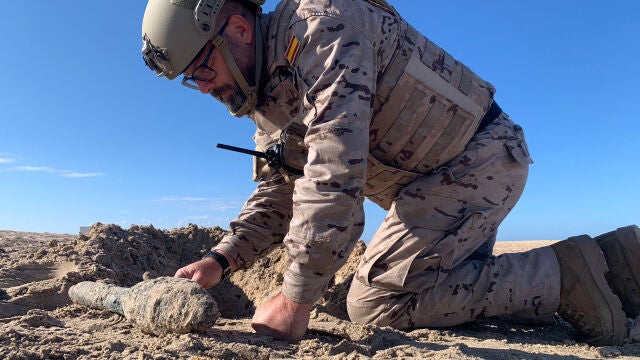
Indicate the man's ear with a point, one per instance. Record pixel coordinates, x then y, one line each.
240 30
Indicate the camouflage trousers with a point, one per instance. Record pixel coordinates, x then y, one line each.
430 263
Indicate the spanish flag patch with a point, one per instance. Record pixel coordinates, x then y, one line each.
292 49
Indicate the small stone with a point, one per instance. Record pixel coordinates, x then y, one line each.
147 275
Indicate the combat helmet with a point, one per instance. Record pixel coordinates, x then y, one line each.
174 32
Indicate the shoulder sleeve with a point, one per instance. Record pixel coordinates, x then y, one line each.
336 68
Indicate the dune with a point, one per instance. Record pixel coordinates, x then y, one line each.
38 320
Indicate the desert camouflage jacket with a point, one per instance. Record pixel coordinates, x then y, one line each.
334 67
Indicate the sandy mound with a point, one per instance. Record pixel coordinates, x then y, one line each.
37 319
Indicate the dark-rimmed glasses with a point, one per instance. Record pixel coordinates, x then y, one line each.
203 72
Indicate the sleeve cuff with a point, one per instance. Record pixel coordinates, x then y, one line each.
304 290
231 245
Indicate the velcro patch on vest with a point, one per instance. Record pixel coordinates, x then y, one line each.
292 49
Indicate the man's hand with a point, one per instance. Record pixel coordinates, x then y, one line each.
206 272
282 318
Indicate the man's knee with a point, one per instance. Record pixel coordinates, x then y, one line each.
397 309
361 305
370 305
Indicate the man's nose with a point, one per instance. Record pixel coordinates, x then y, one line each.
204 86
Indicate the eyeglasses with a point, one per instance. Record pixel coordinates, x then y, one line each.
203 72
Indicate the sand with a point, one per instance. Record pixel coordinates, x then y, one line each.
38 320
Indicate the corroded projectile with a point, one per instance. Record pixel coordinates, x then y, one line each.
157 306
98 295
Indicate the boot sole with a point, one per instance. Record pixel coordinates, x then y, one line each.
623 246
592 254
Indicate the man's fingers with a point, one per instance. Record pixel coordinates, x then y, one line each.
263 329
282 319
182 273
202 280
203 272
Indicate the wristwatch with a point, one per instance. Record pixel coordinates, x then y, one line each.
226 268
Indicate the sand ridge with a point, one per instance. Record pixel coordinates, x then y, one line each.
38 321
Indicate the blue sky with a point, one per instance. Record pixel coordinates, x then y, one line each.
88 133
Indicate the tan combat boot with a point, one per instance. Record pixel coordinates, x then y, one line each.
586 301
621 249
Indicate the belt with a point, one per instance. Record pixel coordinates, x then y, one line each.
492 114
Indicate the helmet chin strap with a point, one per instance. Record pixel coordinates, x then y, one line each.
250 92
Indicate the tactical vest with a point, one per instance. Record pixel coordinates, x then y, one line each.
426 108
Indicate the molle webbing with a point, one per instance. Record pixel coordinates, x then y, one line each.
427 107
385 182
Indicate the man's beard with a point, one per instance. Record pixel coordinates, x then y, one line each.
244 57
233 102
